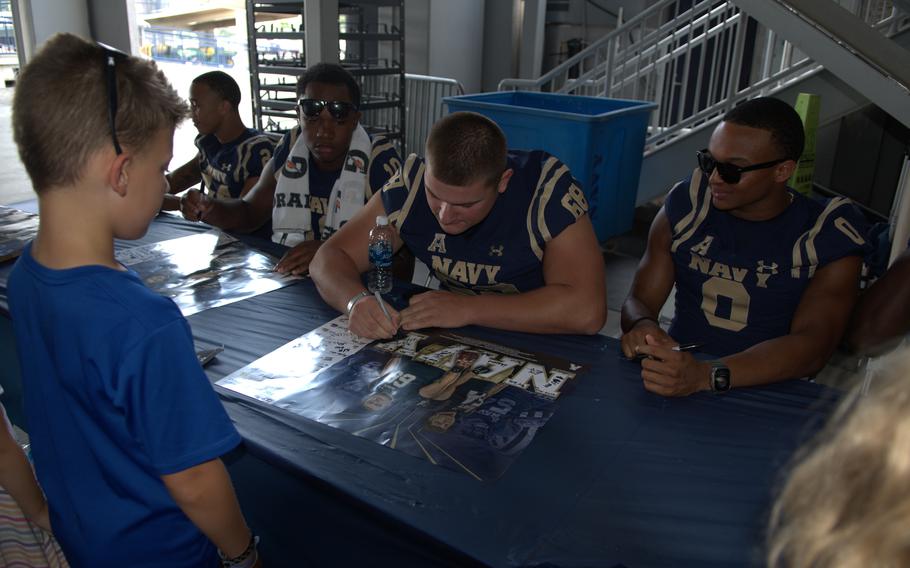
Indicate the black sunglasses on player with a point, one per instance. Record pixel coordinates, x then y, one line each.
312 108
111 56
728 172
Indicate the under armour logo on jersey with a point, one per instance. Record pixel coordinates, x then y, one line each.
496 251
764 271
226 166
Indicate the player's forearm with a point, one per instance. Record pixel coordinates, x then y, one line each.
17 478
205 494
183 178
336 276
235 215
634 310
554 308
788 357
170 203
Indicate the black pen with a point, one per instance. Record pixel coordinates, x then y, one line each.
695 346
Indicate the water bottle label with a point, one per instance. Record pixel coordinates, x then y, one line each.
381 254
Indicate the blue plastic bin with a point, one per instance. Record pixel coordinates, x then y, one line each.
600 139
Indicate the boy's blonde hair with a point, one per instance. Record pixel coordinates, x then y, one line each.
60 108
847 501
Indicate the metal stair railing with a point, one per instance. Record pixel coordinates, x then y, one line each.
695 58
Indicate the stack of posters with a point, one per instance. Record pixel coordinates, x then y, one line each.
17 228
204 271
462 403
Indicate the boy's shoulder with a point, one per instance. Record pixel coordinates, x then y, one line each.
84 294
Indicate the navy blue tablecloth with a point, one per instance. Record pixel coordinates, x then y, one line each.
618 476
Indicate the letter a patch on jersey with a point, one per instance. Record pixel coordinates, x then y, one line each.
438 244
702 247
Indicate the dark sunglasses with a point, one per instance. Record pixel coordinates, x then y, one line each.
111 56
312 108
728 172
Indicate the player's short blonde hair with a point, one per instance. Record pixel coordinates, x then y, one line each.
464 147
60 108
847 500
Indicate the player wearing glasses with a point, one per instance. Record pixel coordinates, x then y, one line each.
321 173
765 277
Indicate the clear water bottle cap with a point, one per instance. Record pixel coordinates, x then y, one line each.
382 220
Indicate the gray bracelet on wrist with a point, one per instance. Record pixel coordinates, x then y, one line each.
353 301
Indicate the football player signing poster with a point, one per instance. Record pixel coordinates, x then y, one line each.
465 404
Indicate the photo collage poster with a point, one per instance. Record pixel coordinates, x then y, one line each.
465 404
204 271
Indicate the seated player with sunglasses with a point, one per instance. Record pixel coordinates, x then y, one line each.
321 173
506 233
765 277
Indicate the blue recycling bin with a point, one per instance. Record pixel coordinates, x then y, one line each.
600 139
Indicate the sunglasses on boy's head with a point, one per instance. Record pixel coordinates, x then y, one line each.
730 173
339 110
111 56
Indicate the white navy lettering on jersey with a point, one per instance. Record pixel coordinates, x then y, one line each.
504 252
738 282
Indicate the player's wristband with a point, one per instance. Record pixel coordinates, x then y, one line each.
641 319
353 301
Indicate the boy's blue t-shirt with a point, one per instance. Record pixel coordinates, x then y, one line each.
115 398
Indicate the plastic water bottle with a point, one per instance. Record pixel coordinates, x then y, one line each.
380 279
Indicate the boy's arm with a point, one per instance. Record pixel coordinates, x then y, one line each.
572 300
17 477
815 331
337 267
651 285
244 215
205 494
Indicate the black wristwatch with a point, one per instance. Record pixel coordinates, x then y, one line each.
720 377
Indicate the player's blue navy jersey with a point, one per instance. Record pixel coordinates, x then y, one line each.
384 161
226 167
504 252
739 282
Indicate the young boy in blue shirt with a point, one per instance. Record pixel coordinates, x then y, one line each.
126 430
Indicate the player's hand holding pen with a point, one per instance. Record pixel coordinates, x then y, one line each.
194 205
668 370
373 319
635 337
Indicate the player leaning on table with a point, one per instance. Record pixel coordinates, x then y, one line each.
765 277
506 233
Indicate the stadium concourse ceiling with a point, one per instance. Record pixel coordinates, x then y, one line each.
202 16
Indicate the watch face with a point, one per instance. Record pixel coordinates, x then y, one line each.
720 379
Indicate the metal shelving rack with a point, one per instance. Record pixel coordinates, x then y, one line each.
370 46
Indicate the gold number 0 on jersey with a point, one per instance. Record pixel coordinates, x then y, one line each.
715 288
